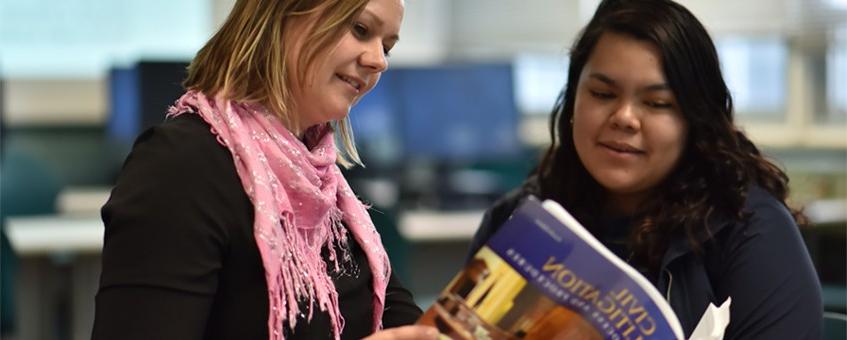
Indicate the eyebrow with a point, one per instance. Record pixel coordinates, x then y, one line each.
380 23
611 82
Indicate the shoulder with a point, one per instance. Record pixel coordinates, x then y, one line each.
177 166
763 205
763 212
499 212
176 204
508 202
765 267
766 215
180 151
172 213
181 139
768 228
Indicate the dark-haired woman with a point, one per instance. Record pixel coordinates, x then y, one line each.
645 153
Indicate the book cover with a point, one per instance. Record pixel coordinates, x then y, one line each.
544 276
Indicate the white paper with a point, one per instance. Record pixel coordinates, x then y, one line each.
713 323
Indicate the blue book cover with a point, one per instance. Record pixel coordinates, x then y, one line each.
544 276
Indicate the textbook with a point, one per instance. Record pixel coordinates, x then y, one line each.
544 276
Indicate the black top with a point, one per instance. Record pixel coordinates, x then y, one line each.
180 260
762 263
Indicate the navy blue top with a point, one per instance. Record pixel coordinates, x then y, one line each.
762 263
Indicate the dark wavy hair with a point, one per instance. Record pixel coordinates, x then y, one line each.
711 179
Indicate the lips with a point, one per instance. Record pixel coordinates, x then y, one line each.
622 147
356 83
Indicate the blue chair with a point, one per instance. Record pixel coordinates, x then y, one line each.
834 326
27 187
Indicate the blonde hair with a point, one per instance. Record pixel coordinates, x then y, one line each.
247 59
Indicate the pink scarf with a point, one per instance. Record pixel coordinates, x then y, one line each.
299 199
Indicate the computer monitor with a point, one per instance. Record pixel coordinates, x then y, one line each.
139 96
458 112
444 131
445 113
123 124
376 125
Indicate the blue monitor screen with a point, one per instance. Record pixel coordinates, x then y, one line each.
375 121
139 96
459 112
123 123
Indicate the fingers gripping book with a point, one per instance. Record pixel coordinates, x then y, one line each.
544 276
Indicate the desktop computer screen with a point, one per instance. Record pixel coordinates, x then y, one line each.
459 112
443 113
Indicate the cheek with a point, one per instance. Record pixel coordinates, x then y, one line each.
677 132
586 111
582 139
580 132
673 139
347 43
586 121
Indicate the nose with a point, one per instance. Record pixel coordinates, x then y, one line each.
373 57
625 117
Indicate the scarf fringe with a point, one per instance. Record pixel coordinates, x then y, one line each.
295 289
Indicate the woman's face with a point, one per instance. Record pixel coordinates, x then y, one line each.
352 68
627 127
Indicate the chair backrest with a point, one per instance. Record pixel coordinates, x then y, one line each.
28 186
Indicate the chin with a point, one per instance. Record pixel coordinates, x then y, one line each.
335 115
340 111
618 186
618 190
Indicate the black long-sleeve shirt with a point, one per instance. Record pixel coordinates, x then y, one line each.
180 260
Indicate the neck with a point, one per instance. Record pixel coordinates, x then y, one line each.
624 204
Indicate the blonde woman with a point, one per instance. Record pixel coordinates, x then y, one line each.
231 220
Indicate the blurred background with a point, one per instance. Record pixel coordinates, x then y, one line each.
460 119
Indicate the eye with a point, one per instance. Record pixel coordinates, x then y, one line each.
360 30
601 95
659 104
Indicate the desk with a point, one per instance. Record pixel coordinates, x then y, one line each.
55 234
58 275
77 229
431 225
82 200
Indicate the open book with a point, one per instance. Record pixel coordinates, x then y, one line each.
544 276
